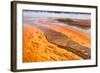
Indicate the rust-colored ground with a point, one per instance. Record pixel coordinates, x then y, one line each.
77 36
36 47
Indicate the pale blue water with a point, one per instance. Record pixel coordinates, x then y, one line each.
41 14
33 20
28 20
35 16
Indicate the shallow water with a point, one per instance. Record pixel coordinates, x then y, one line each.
55 22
